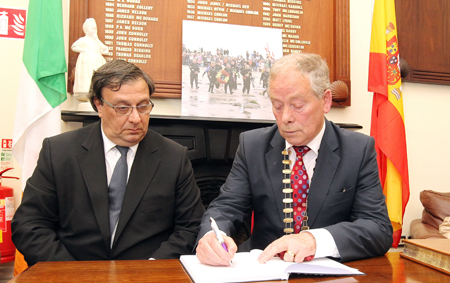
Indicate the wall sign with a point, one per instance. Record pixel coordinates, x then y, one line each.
12 23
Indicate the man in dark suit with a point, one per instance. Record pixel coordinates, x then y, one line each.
67 202
345 217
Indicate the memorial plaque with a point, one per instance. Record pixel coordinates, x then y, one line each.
148 33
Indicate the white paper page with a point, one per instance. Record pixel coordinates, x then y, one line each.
247 268
323 266
318 266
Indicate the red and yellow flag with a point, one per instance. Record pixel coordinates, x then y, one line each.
388 127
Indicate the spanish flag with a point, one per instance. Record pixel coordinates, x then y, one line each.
388 127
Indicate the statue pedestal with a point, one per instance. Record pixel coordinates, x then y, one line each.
83 102
81 96
85 106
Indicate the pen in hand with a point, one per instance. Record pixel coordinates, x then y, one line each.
218 235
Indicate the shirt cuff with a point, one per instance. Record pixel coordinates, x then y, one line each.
325 244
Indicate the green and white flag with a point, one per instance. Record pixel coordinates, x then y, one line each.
42 83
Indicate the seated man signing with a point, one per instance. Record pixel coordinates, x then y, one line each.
112 190
313 187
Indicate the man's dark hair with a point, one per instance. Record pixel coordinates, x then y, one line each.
113 75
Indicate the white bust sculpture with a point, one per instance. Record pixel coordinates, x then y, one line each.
89 59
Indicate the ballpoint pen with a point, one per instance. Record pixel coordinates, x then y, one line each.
218 235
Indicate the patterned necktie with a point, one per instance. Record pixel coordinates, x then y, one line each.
117 187
300 185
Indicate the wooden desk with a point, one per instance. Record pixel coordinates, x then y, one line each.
388 268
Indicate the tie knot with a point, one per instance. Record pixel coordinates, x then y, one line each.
122 149
301 150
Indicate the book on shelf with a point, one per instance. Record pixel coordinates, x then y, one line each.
247 268
434 253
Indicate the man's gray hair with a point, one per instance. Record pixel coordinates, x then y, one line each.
311 66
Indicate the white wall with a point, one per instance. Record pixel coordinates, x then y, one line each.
425 108
10 64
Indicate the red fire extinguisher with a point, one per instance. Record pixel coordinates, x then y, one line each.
7 248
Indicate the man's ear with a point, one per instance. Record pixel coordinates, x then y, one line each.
327 98
99 106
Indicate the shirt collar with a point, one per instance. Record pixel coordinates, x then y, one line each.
108 144
315 143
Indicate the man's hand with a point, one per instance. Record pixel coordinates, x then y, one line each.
297 248
211 252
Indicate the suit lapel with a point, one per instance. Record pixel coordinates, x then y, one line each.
275 167
324 172
144 168
93 168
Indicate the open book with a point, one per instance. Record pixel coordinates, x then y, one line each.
247 268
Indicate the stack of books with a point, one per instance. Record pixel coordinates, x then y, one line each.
434 253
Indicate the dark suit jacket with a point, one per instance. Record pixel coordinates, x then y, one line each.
64 214
345 195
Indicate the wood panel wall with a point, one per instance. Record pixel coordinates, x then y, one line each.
325 23
424 39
